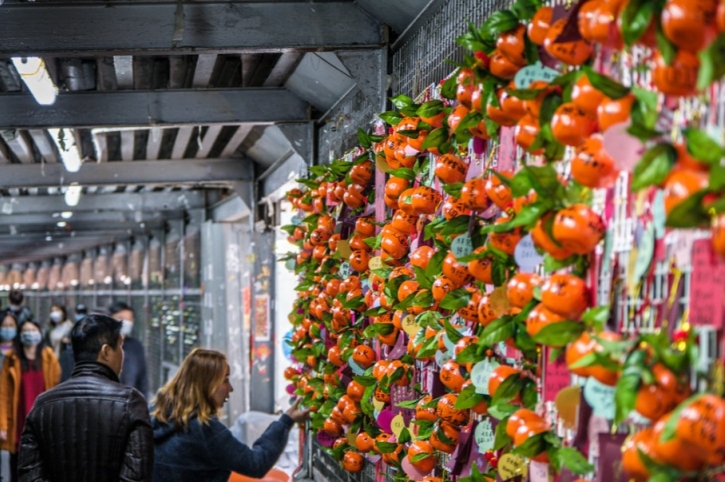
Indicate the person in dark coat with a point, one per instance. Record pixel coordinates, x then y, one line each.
190 442
91 427
134 364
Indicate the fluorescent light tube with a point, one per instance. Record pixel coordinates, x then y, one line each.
37 79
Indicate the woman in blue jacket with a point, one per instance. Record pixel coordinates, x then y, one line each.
191 444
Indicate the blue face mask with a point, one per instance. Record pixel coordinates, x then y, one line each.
8 334
31 338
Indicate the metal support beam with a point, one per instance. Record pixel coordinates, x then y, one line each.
369 69
187 171
147 201
84 218
221 27
301 137
142 108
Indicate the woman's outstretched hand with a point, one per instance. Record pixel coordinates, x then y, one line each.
297 415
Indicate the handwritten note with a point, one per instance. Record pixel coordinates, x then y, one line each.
345 270
484 436
538 472
375 263
510 466
481 374
462 246
600 397
530 74
526 255
410 326
556 378
706 286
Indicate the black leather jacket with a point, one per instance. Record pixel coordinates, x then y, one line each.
89 428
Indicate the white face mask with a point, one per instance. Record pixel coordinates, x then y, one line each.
126 328
56 316
14 307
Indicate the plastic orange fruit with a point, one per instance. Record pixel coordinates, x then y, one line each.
359 260
497 192
425 200
599 26
539 26
465 86
450 376
425 413
456 272
473 195
689 24
577 350
364 442
421 256
675 453
520 288
447 430
470 311
585 17
585 96
355 391
441 287
353 462
578 229
702 424
681 184
362 173
526 132
421 448
539 318
526 432
405 223
395 245
544 242
456 116
631 460
332 427
505 241
502 67
481 268
452 208
498 376
679 79
565 295
521 417
450 169
353 197
659 398
512 46
611 112
364 356
570 53
447 411
571 125
486 315
600 373
395 186
592 166
496 113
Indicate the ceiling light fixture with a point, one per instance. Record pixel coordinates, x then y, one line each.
62 224
37 79
66 214
69 153
73 195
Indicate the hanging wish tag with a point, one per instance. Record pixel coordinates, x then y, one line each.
526 256
410 326
356 369
345 270
375 263
600 397
484 436
397 425
462 246
510 466
481 374
530 74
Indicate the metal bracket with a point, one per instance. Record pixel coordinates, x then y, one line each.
369 68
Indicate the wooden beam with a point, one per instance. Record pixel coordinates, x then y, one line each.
234 26
141 108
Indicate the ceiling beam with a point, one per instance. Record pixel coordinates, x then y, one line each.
219 27
146 201
83 218
154 108
185 171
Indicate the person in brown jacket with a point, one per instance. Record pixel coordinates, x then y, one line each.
29 370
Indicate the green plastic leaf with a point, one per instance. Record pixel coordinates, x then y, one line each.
453 334
501 438
605 84
499 330
559 334
364 139
532 446
448 90
654 166
468 398
508 389
712 63
457 225
431 108
401 101
390 117
470 354
502 21
573 460
625 393
690 213
636 18
703 147
404 173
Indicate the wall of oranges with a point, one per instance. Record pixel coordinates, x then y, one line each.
518 275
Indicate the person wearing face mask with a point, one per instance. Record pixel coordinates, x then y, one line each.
191 444
8 332
28 370
134 363
22 313
58 331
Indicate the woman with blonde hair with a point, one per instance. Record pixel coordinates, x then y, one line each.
191 444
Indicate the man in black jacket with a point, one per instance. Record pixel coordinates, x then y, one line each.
134 363
89 428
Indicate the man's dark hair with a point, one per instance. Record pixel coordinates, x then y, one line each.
81 309
119 306
91 333
16 297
